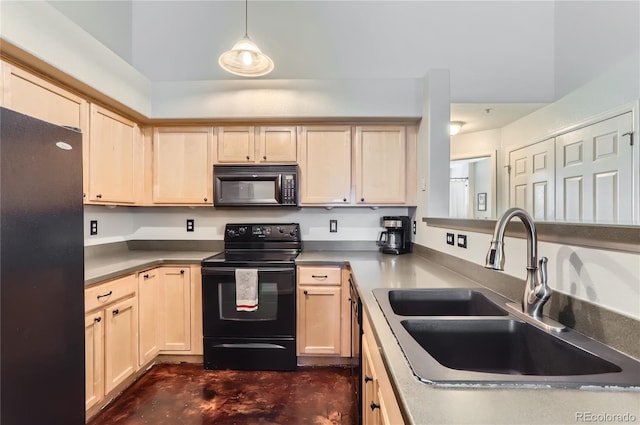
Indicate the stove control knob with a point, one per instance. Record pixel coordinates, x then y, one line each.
242 230
231 233
292 232
280 229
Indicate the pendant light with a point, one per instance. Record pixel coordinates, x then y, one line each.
245 58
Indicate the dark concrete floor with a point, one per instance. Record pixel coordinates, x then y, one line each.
186 394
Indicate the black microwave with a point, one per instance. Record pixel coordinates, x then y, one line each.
255 185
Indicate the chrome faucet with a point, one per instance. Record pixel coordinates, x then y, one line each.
536 294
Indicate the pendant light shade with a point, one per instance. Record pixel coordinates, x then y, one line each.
245 58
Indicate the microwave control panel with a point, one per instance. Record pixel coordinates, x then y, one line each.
289 190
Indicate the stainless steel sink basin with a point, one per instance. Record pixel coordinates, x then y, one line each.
469 337
442 302
502 346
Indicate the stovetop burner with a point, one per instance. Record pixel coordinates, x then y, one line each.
258 245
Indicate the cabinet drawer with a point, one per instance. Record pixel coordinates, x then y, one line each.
319 276
106 293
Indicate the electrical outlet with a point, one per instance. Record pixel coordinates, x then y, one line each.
462 241
333 226
190 225
450 239
414 227
93 227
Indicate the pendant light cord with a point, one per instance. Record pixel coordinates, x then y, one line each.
246 18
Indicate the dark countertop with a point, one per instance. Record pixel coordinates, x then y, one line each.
421 403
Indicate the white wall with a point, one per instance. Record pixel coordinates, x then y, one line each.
168 223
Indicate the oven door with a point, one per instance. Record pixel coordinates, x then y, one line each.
274 317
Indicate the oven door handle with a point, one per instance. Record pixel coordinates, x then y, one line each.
252 345
219 270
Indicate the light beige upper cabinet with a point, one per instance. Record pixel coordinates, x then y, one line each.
380 164
236 144
31 95
276 144
182 165
112 153
249 144
325 165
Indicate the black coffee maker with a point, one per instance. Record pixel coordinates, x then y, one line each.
397 238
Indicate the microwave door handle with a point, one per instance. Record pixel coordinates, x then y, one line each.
278 194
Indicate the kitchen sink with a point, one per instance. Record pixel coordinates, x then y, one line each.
444 302
471 337
502 346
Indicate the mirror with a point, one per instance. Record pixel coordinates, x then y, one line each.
472 187
592 83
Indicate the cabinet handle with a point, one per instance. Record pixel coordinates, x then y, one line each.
344 199
367 379
361 199
84 195
146 276
305 292
104 295
99 196
374 406
264 157
116 311
248 158
98 319
205 199
318 276
181 271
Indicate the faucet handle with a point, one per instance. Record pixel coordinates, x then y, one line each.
543 292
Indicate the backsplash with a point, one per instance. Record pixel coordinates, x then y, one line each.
169 223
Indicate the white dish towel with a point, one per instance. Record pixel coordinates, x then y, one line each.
246 289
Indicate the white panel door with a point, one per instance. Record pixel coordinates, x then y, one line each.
531 174
594 173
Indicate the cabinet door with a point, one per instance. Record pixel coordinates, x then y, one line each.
276 144
175 320
319 320
31 95
236 144
381 164
148 315
325 165
111 157
370 413
94 357
120 342
182 165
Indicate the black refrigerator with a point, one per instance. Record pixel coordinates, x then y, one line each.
41 273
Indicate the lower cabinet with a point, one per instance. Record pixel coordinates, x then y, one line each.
379 405
111 336
323 313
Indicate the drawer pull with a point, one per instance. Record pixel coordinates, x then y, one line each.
318 276
374 406
116 311
367 379
105 295
181 271
305 292
146 276
98 319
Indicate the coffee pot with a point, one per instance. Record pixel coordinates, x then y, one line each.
396 239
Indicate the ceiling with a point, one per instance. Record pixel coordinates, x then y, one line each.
497 52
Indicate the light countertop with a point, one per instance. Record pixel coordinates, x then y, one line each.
421 403
428 404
